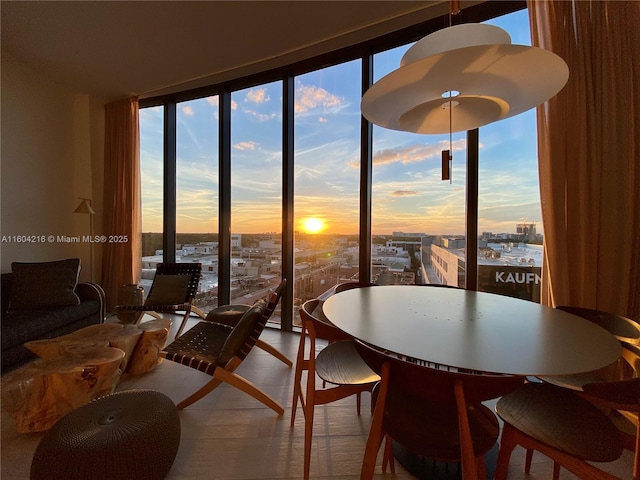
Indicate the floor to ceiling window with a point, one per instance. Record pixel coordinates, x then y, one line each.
256 191
151 190
327 178
310 169
197 192
417 217
509 215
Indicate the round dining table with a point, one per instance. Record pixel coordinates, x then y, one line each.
472 330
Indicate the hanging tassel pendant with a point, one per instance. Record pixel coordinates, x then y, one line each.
446 165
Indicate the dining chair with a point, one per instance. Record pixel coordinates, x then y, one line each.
575 420
432 412
337 364
627 332
341 287
623 328
442 285
561 425
218 350
232 313
173 290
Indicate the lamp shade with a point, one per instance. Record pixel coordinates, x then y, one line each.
463 77
85 207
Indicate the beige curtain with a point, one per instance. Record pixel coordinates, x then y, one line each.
589 155
121 257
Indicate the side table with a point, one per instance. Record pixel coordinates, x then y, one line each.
79 367
40 393
124 337
140 343
145 356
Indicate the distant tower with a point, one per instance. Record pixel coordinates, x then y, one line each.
526 230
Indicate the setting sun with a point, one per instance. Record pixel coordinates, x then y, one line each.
313 225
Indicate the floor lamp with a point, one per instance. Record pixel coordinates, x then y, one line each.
85 207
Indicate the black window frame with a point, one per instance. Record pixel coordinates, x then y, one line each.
364 51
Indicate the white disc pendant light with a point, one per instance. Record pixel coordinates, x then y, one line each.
463 77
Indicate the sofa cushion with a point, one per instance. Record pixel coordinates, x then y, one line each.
44 284
168 290
19 326
5 291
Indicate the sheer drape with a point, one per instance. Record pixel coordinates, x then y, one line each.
589 154
121 257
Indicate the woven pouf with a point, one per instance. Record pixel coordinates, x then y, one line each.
128 435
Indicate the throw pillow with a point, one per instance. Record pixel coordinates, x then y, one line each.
44 284
241 331
168 290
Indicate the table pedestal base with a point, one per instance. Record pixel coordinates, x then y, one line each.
426 468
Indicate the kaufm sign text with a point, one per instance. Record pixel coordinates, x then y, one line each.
517 277
520 282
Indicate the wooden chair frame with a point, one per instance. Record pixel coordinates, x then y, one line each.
341 287
433 386
561 425
350 378
623 328
194 270
259 343
211 364
614 388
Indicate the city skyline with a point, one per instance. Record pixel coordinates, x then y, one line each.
408 194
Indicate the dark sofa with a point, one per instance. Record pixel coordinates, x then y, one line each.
52 305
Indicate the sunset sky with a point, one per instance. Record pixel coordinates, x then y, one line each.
408 194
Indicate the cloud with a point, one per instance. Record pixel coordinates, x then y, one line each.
322 120
215 101
246 146
188 111
403 193
261 117
258 95
415 153
149 113
309 97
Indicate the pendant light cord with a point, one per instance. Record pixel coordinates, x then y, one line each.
450 139
454 9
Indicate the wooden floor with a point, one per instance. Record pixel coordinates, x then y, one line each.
229 435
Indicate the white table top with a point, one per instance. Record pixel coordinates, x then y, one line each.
472 330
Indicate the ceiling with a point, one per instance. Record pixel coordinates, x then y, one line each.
114 49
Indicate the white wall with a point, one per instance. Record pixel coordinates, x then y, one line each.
51 154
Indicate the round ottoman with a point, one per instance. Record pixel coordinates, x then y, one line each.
227 314
132 434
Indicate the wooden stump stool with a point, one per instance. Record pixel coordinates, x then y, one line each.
131 434
40 393
145 356
124 337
